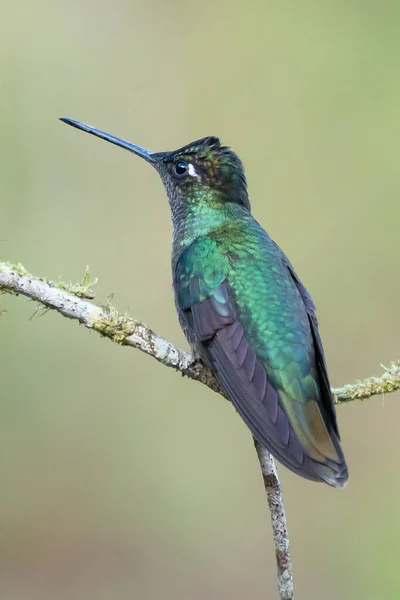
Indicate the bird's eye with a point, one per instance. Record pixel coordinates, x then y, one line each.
181 168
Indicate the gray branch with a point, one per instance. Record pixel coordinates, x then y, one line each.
72 301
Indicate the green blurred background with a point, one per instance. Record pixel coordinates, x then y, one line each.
119 479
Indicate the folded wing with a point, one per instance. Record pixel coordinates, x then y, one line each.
301 432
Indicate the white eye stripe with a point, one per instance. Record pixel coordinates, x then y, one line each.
192 171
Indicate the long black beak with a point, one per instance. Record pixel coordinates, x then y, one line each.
143 152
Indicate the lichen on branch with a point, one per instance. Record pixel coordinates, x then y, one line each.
71 301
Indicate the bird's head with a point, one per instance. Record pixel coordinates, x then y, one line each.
203 171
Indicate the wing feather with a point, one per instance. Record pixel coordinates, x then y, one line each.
301 435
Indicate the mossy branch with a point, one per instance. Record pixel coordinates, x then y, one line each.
69 300
72 301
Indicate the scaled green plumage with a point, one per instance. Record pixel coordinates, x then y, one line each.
272 312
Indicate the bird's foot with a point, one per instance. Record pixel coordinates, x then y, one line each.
191 360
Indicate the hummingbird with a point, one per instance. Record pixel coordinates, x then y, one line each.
243 308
